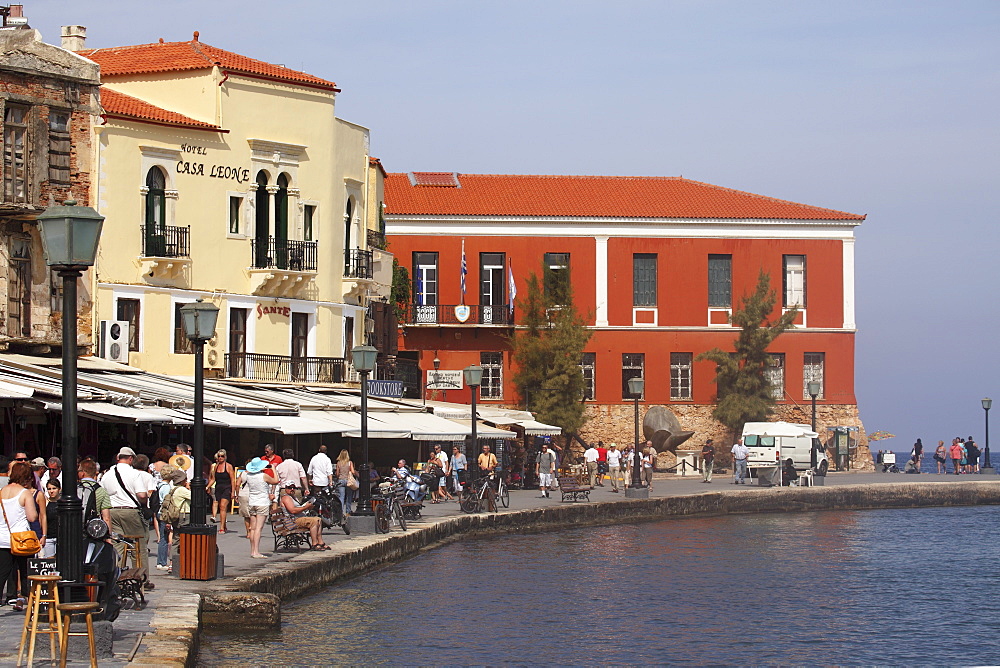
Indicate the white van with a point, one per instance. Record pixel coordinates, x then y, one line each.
773 443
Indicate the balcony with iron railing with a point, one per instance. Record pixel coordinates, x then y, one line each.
375 239
287 254
358 264
166 241
284 368
446 314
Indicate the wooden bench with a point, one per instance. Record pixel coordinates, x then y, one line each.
287 536
573 490
130 584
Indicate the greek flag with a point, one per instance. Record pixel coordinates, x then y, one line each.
465 270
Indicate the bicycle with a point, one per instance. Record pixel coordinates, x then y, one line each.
503 493
387 507
478 496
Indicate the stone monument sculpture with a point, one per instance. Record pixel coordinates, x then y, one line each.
661 427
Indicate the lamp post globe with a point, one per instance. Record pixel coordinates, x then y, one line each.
636 489
473 378
70 235
987 405
363 358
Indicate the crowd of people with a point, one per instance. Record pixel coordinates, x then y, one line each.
962 455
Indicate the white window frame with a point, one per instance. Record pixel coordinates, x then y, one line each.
775 374
139 295
813 370
493 372
678 370
589 379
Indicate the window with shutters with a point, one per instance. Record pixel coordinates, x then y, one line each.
237 341
557 277
492 387
235 218
15 154
680 376
794 281
720 281
632 367
588 366
812 370
425 287
644 279
19 288
308 216
182 344
59 146
774 372
128 310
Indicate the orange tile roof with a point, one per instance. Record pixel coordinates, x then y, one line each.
120 105
192 55
588 196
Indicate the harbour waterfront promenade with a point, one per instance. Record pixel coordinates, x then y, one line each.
249 594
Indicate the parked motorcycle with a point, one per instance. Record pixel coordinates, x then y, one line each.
327 507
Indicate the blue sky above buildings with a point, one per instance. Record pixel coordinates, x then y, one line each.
883 108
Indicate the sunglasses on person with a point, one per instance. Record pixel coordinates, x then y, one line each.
20 459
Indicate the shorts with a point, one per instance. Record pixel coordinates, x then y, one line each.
257 510
545 480
602 467
306 522
442 481
223 493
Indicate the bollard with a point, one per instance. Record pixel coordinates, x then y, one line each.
198 552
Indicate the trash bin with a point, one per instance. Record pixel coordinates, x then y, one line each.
198 552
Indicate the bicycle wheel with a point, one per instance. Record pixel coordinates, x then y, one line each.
469 503
397 515
381 518
489 499
504 495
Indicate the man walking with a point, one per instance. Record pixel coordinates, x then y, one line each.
545 469
320 470
740 454
648 465
602 463
127 493
614 466
590 458
291 474
708 460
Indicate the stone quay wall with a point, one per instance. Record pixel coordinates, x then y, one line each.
616 423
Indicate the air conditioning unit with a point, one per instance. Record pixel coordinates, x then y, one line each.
114 341
214 356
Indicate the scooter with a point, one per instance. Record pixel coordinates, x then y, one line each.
327 506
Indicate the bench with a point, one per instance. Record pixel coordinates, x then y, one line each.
130 584
573 490
287 536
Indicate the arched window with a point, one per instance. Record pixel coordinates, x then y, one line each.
262 224
281 222
156 199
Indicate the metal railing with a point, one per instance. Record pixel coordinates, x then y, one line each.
376 239
284 368
272 253
407 371
166 241
358 264
444 314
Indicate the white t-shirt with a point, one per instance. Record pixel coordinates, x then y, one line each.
133 481
614 457
320 468
443 458
590 454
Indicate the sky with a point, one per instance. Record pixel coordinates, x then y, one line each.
888 109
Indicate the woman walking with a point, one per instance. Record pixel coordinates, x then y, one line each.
258 479
222 479
345 470
941 457
19 510
53 488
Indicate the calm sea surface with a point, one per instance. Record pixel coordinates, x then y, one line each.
889 587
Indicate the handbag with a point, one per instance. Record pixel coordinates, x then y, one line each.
352 482
22 543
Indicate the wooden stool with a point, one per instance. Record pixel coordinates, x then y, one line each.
131 547
43 590
87 609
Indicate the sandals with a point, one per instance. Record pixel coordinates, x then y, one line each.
19 604
320 547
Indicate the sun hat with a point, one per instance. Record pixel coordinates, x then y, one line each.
182 462
178 476
37 461
256 465
126 452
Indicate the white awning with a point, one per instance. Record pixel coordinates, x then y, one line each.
14 391
536 428
108 412
282 424
384 425
484 430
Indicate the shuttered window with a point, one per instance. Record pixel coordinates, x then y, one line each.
59 146
720 281
644 279
794 281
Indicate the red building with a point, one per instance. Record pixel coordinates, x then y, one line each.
657 265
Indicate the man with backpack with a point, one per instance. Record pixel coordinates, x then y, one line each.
96 501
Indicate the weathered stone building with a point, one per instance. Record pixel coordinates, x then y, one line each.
48 100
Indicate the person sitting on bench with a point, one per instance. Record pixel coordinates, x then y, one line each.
293 509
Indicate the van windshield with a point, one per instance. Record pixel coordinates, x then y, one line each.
755 441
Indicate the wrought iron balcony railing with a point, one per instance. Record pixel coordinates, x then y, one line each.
444 314
284 368
166 241
272 253
376 239
358 264
407 371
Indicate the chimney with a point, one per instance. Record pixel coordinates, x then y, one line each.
74 37
14 17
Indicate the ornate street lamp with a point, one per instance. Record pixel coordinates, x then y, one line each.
813 387
199 319
987 405
364 363
635 387
69 240
473 378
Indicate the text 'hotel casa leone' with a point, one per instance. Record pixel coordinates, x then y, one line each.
657 266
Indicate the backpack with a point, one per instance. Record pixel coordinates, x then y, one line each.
87 491
154 499
170 511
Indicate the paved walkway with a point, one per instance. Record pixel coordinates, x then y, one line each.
238 562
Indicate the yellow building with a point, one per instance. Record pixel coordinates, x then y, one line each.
232 180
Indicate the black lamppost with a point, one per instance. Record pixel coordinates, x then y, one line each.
635 387
69 240
813 387
199 319
364 363
987 405
473 378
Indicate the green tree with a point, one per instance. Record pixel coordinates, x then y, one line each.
744 393
399 294
547 352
